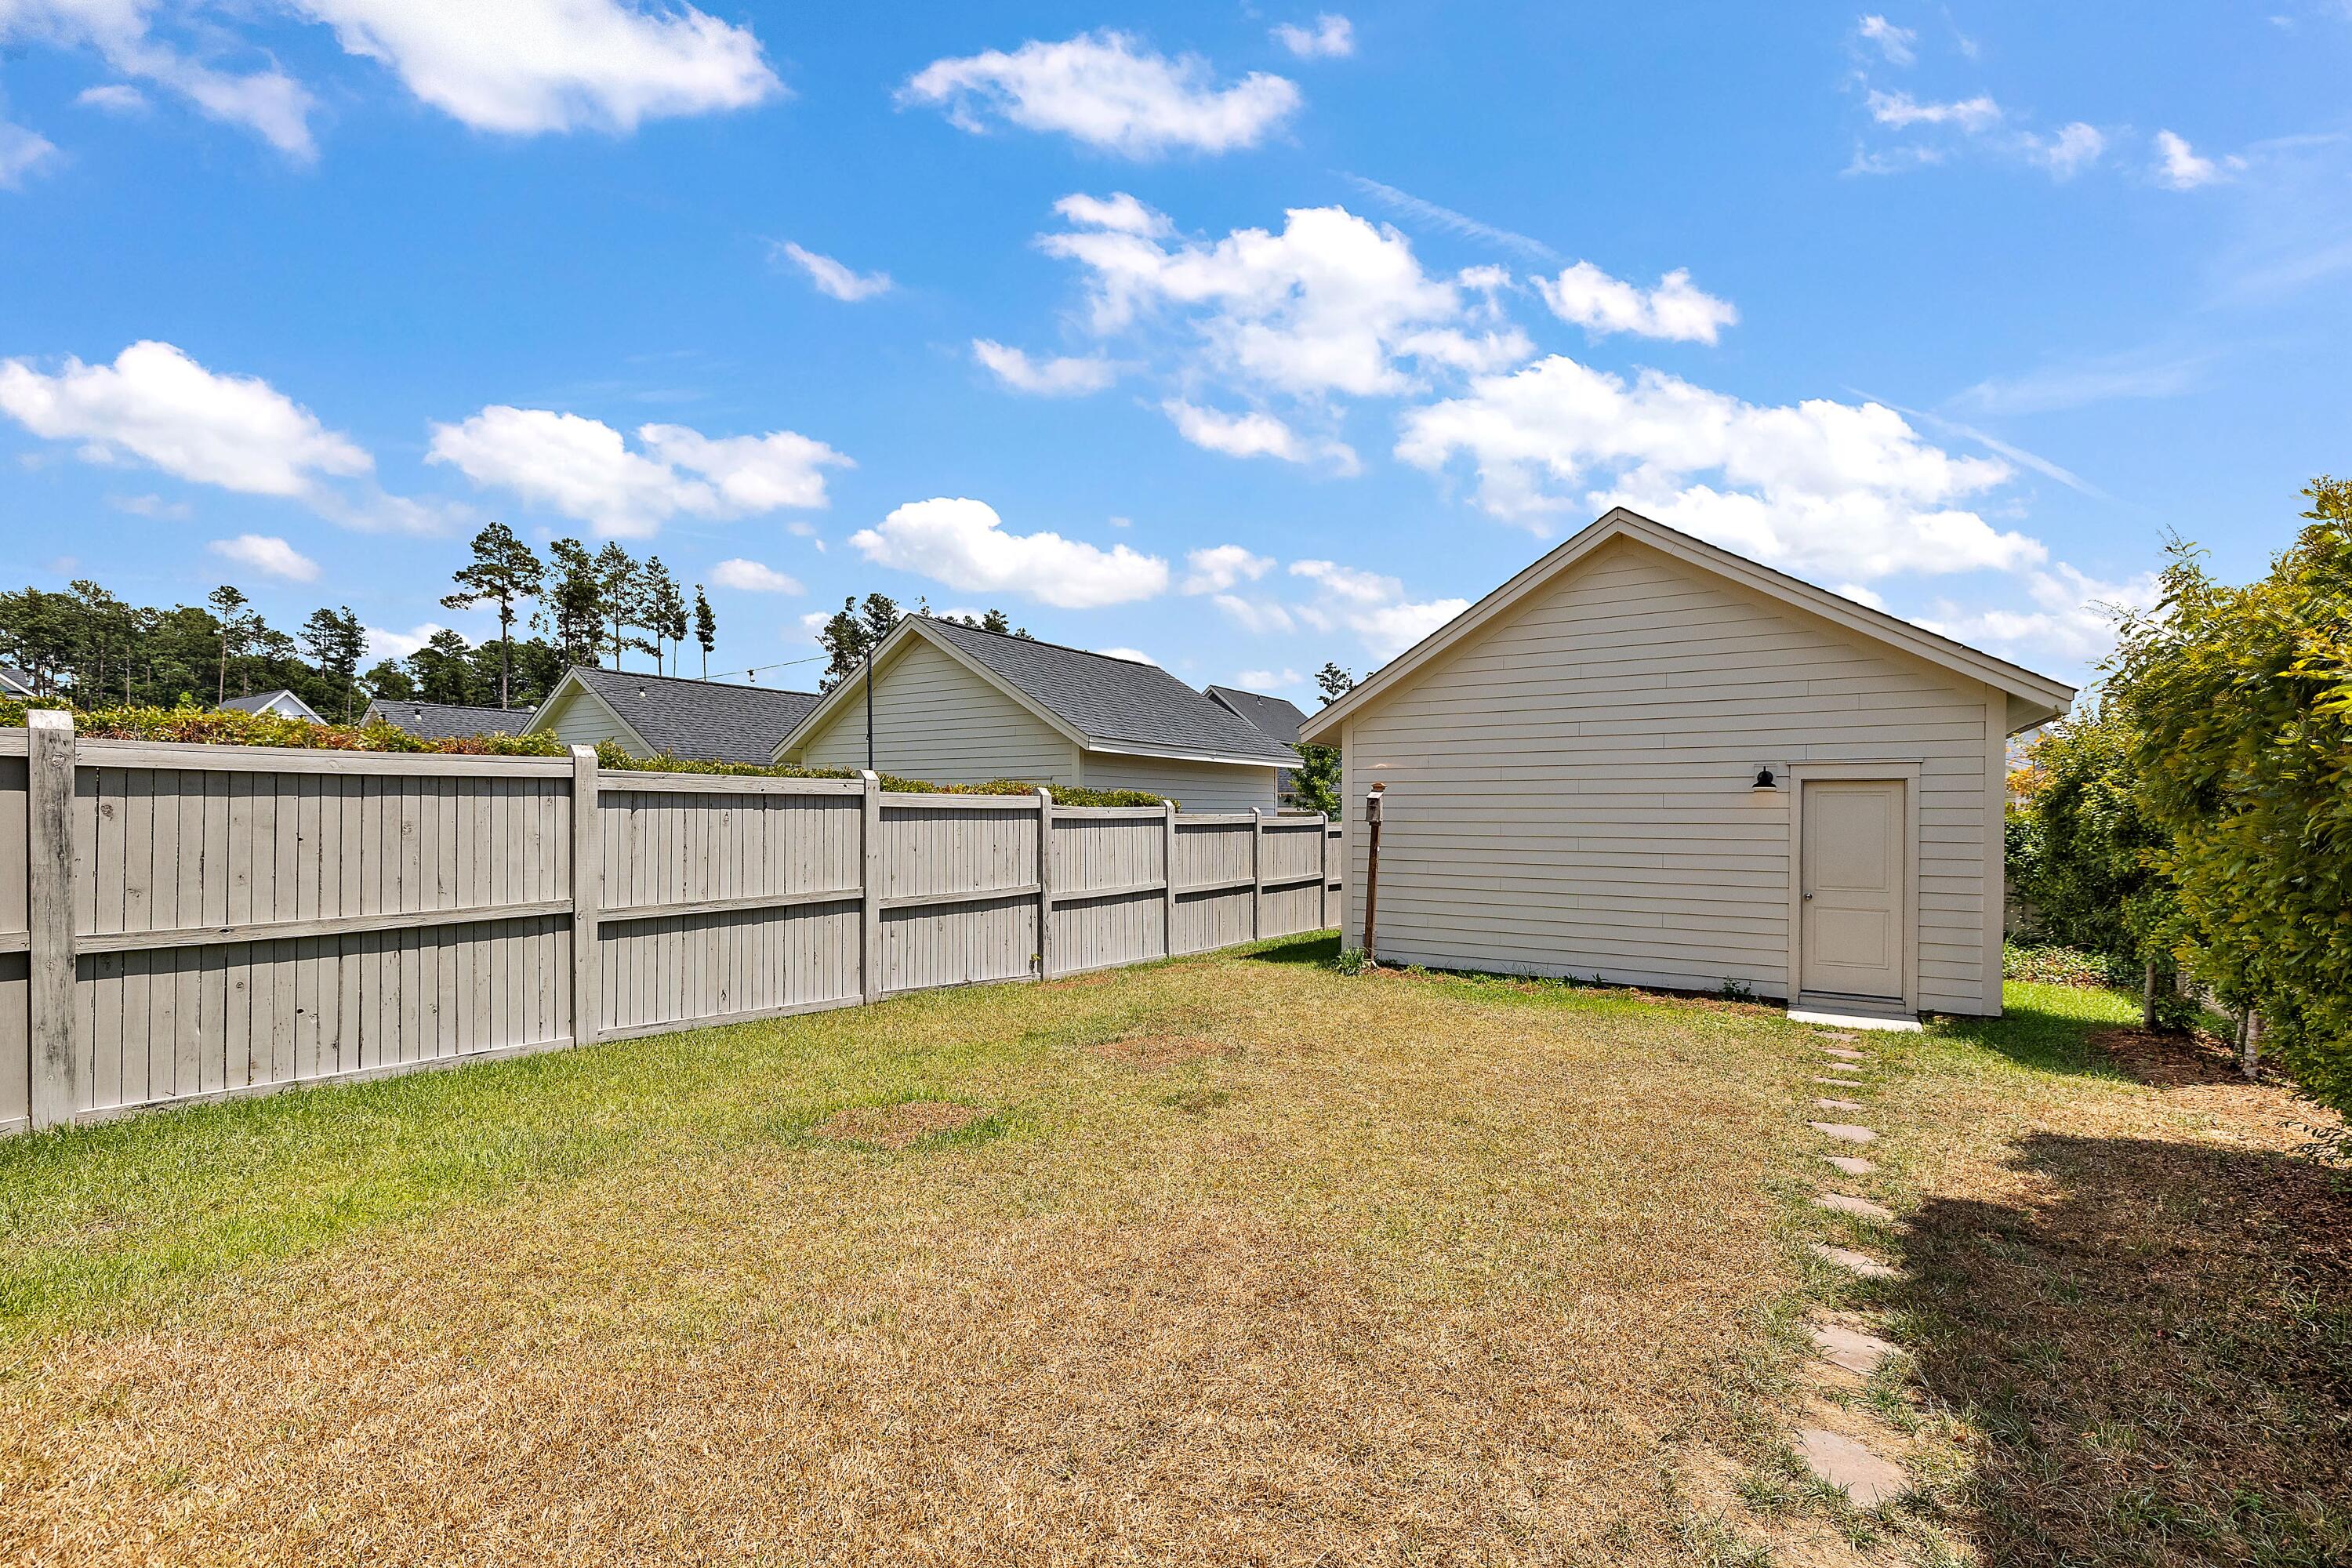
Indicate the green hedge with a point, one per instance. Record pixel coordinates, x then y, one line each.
227 727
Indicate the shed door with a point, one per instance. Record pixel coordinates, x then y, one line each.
1852 891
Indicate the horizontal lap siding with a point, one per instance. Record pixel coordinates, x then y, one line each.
934 719
1193 787
1568 793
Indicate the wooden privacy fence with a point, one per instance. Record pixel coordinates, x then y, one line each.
183 922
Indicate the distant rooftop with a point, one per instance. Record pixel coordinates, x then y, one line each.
705 719
1278 717
450 720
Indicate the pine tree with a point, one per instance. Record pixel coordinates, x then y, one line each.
229 607
705 628
336 640
618 587
503 571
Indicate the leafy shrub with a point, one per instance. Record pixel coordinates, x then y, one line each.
1352 960
2051 964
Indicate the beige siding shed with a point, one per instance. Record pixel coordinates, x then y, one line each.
1572 771
935 718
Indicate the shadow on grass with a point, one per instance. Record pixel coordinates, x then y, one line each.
2158 1347
2049 1027
1320 949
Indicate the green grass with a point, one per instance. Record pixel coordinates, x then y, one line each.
1397 1266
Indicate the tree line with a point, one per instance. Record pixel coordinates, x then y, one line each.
2195 823
578 606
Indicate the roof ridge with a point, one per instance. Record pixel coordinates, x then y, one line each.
685 680
1036 642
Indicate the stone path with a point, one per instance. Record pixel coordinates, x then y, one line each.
1834 1457
1840 1461
1850 1349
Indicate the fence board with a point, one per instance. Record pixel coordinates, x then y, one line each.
235 924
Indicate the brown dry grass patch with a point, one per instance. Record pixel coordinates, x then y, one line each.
1154 1051
1420 1290
894 1127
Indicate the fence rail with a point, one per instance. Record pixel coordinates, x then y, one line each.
188 922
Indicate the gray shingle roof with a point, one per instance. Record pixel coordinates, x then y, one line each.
448 720
1113 700
1277 716
261 699
703 719
15 680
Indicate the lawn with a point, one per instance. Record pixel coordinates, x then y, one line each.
1232 1259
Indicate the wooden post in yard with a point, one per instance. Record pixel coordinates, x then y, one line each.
1167 864
2148 997
48 907
1044 883
1372 871
1257 873
587 896
870 925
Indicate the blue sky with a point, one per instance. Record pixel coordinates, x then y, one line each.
1244 337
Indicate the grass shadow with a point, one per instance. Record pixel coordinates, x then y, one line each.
2158 1347
2049 1027
1320 948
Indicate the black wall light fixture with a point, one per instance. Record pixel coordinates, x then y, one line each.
1765 781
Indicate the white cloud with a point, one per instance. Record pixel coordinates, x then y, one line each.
1108 90
1255 434
1451 222
753 577
582 468
1896 43
962 543
1901 110
556 65
1268 680
267 554
22 153
2073 616
1219 567
1600 304
1260 616
1847 488
2183 169
1117 211
1332 36
2075 148
1373 606
385 643
114 97
149 506
1331 305
1058 377
1132 655
268 101
831 276
540 65
156 404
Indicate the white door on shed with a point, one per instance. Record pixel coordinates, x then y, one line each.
1853 888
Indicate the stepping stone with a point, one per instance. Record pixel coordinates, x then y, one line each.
1853 1262
1838 1203
1844 1132
1851 1164
1841 1082
1836 1035
1853 1469
1842 1055
1840 1105
1850 1347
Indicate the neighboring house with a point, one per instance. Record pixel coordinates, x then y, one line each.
1651 760
953 704
16 683
281 702
447 720
1276 717
650 715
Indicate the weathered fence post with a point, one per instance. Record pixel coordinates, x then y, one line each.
1168 864
587 896
1044 883
1372 872
870 965
1257 873
48 909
